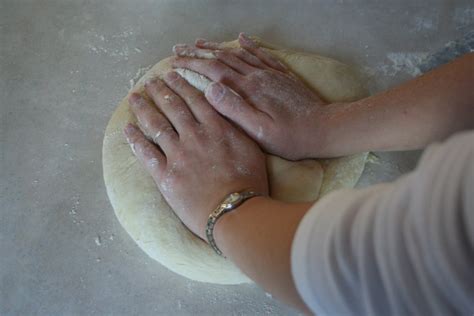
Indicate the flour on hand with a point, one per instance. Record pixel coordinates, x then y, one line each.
148 219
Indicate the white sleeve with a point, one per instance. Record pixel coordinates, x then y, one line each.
401 248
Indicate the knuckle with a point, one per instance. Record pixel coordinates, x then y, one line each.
147 150
154 121
162 131
215 64
166 130
157 91
262 75
227 75
155 85
225 54
195 98
168 97
266 73
174 102
242 52
179 83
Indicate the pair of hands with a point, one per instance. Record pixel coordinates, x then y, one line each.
193 153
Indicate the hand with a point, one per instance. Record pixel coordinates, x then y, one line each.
194 155
272 105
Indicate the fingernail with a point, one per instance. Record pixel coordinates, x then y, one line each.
215 91
247 40
178 48
135 99
150 81
171 76
200 41
129 130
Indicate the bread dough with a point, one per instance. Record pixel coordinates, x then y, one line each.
149 220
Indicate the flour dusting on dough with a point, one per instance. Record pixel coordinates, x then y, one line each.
140 72
153 225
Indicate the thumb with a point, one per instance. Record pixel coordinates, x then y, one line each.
231 105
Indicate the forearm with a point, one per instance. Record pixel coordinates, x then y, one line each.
410 116
257 237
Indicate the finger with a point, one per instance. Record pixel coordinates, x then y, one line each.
194 98
154 124
224 56
145 151
202 43
171 104
237 58
234 107
183 50
239 52
249 58
214 69
247 43
234 62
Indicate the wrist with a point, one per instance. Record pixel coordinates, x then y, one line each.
323 130
314 132
225 224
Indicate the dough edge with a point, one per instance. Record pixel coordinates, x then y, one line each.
133 196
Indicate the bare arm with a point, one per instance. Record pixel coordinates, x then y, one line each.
257 237
410 116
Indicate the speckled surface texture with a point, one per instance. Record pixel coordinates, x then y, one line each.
64 66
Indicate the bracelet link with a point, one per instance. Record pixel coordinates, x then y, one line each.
231 202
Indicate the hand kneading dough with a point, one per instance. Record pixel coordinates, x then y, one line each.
149 220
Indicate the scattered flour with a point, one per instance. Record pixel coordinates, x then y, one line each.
463 17
400 62
405 64
425 23
140 72
98 240
115 46
73 211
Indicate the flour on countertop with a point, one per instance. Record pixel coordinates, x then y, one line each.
98 240
425 23
115 46
73 211
398 62
463 17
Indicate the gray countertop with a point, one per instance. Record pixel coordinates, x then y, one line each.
64 66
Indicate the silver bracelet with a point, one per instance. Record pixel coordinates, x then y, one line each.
228 204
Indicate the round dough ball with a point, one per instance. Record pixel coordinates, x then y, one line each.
150 221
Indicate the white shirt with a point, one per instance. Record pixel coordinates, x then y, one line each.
401 248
